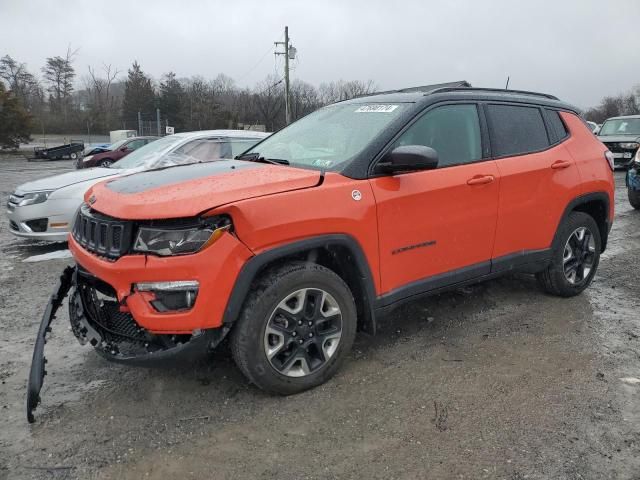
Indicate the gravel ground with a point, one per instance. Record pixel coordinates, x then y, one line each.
497 380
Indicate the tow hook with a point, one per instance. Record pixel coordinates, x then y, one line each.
38 361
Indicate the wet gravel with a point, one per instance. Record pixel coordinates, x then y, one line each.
496 380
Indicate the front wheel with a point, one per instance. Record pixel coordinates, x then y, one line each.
73 156
634 198
574 257
295 329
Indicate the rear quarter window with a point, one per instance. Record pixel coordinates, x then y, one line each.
516 130
559 130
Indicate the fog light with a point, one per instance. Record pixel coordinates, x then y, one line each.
171 296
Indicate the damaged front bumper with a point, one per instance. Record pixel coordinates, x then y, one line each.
98 319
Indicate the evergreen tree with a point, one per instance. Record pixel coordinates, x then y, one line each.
171 101
138 97
15 122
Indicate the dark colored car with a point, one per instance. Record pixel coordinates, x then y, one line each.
116 152
633 182
621 135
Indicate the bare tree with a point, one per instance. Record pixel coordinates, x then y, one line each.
22 83
344 90
102 102
269 100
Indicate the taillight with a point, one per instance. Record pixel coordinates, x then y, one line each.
609 156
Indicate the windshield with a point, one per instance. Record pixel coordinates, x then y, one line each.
329 137
148 154
621 126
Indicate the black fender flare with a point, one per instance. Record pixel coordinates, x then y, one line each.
581 200
254 265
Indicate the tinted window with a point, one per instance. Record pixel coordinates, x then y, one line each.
557 124
516 130
452 130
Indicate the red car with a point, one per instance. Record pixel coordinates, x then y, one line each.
116 152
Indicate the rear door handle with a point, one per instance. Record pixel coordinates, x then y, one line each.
560 164
480 180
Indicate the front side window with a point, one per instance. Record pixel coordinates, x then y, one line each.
516 130
451 130
330 137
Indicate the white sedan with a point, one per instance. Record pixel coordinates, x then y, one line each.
44 209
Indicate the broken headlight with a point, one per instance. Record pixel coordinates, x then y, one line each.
167 241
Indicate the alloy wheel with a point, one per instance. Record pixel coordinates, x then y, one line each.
303 332
579 256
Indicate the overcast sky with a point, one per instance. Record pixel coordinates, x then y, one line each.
579 50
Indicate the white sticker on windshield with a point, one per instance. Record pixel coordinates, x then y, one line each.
376 108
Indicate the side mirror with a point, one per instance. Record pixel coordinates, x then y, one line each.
124 149
408 158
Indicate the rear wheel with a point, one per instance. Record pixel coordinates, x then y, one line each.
106 163
634 198
73 156
574 257
296 328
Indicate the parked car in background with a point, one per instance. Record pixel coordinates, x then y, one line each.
633 182
45 209
595 128
319 229
621 135
115 152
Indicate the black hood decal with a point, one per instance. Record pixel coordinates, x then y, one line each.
140 182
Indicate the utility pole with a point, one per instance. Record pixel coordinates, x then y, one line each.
289 53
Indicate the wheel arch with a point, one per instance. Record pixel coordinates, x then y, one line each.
339 252
596 205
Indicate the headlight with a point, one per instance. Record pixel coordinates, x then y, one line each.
629 145
34 197
166 241
637 157
87 158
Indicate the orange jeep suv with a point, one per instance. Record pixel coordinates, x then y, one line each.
309 236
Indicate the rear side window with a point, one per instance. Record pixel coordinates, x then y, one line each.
557 125
516 130
451 130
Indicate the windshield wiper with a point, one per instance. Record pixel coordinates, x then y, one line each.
255 157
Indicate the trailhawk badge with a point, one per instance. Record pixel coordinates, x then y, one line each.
356 195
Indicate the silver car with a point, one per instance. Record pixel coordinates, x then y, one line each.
44 209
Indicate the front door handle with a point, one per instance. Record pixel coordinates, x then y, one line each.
560 164
480 180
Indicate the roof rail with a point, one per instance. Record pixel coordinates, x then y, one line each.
497 90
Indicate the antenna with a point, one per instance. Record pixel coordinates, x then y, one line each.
506 87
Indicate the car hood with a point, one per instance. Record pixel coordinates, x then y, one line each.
64 180
188 190
619 138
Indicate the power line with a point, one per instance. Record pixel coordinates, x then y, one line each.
244 75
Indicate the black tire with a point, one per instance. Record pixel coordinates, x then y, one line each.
107 162
634 198
73 156
556 278
249 337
